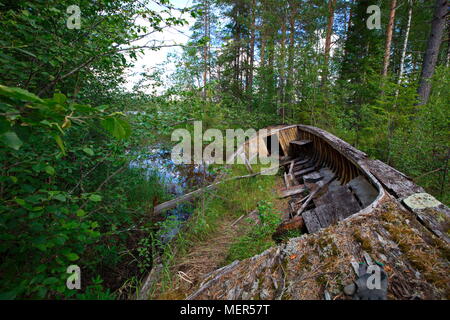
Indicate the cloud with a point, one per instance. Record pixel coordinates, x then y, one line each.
169 36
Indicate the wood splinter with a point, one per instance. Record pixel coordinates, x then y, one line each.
313 194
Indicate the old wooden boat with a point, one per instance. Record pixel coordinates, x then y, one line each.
353 209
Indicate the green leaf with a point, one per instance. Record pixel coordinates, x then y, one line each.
50 170
88 151
119 128
72 256
60 197
81 213
41 268
19 94
60 143
11 139
59 98
95 198
20 202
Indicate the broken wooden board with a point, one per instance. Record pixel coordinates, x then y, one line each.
300 142
289 180
431 213
336 204
299 166
292 191
304 171
312 177
311 222
285 136
394 181
365 192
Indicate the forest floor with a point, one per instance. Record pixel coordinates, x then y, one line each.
207 255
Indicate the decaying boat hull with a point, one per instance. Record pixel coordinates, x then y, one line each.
398 225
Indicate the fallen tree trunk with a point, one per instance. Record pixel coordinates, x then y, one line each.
188 196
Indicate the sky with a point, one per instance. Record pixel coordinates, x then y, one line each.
151 58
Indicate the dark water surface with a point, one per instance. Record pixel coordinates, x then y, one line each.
177 179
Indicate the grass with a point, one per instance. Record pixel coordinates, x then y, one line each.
209 238
259 238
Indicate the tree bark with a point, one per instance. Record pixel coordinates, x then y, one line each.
331 6
431 54
447 63
252 49
290 71
387 47
282 67
405 45
206 47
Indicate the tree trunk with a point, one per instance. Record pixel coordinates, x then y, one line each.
447 63
405 45
206 47
331 6
290 71
282 67
431 54
252 49
387 47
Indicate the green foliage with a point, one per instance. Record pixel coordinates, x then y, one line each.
51 216
260 236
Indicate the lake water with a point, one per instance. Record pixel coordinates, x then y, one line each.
177 180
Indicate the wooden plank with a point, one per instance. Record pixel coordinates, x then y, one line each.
431 213
336 204
325 215
291 167
301 162
311 222
312 195
394 181
307 164
304 171
365 192
300 142
292 191
287 181
312 177
283 141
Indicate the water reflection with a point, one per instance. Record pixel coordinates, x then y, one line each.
177 179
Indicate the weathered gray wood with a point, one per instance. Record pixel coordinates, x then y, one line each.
292 191
300 142
300 166
339 145
311 222
365 192
335 205
304 171
152 279
394 181
291 167
431 213
325 215
303 161
312 195
312 177
287 181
